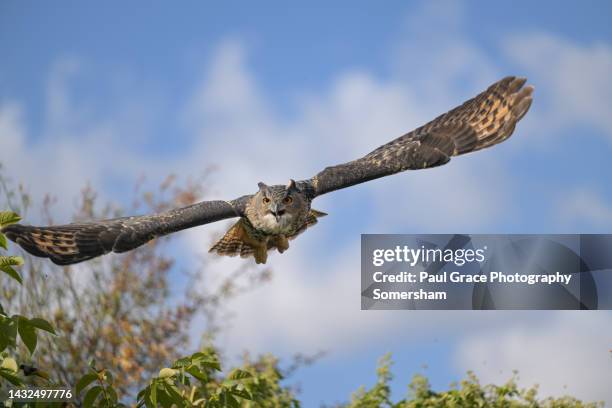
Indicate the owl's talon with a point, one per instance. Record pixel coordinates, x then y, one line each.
282 243
261 255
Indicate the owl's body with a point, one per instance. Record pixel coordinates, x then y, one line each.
276 214
272 216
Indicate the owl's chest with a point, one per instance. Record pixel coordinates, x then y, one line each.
269 225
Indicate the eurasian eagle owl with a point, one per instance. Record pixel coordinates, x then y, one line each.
276 214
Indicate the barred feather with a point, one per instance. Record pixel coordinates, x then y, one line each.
233 242
72 243
64 244
485 120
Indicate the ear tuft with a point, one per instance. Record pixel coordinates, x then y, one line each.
262 186
291 185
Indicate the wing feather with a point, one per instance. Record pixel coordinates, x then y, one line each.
483 121
73 243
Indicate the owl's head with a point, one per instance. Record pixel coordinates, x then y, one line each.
276 207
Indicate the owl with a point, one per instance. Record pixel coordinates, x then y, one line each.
274 215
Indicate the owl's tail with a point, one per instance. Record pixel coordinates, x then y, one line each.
239 240
233 243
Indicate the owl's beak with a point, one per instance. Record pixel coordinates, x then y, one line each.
276 212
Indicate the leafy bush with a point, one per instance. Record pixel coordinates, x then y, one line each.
16 326
468 393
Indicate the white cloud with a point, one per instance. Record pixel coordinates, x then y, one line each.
228 95
11 128
75 146
572 80
53 164
563 353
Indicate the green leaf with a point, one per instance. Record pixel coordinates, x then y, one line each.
8 217
91 396
144 396
141 394
241 392
238 374
182 362
153 395
27 334
207 359
148 402
10 377
9 364
11 260
3 242
228 399
194 371
11 272
147 398
6 264
85 381
163 399
174 395
112 394
8 332
42 324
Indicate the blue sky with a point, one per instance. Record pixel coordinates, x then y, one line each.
267 91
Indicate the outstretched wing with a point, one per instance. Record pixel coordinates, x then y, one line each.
72 243
485 120
480 122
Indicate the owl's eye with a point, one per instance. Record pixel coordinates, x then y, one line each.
287 200
266 200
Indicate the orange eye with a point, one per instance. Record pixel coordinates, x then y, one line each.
266 200
287 200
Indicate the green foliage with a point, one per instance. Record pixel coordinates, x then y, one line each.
469 393
16 326
7 262
7 218
196 381
101 391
